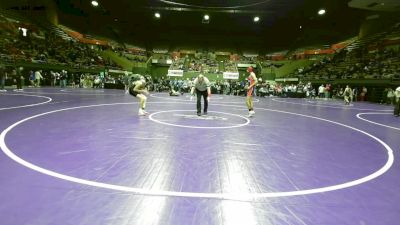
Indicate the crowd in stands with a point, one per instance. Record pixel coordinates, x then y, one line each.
64 79
162 58
358 64
203 64
248 59
40 46
37 45
230 66
134 56
177 64
19 77
234 87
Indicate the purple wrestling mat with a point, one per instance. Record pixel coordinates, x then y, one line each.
84 157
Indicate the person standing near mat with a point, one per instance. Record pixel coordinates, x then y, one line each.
249 98
19 78
3 77
126 80
346 95
397 102
138 89
202 86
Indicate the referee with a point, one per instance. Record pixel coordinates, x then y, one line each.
202 86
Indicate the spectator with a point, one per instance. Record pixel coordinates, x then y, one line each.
63 79
19 78
38 78
31 79
53 79
397 102
3 77
363 94
390 97
321 91
347 94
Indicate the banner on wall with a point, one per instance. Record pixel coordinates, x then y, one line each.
231 75
245 65
119 71
161 61
222 53
175 73
287 79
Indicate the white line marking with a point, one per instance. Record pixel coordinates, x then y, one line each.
198 127
30 105
194 101
71 152
141 138
380 124
81 90
203 117
230 196
212 98
295 216
327 106
245 144
69 93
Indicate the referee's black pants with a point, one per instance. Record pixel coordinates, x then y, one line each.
205 95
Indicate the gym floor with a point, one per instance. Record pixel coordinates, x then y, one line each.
84 157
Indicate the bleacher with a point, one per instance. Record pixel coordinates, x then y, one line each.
59 32
366 58
364 42
362 59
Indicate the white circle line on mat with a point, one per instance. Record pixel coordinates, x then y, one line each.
29 105
230 196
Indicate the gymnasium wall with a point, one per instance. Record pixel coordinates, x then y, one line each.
289 67
377 22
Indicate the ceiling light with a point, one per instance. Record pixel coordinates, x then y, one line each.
321 12
206 17
157 15
256 19
95 3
